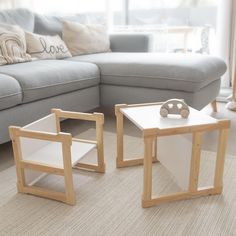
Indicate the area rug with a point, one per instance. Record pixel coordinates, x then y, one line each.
110 204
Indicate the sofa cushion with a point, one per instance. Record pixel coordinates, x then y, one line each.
85 39
47 78
22 17
46 46
181 72
10 92
12 45
52 25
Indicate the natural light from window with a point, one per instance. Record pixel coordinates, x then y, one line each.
179 26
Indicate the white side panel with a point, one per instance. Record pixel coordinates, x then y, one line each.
174 152
31 176
47 124
30 146
52 154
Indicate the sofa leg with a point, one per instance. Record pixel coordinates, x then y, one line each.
214 105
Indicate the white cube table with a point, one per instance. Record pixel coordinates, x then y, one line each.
182 159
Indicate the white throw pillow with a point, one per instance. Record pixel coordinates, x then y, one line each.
12 45
85 39
46 47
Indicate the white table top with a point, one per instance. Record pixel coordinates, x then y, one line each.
148 117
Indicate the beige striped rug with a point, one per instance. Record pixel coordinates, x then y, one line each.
110 204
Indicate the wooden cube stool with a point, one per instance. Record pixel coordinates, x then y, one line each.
42 147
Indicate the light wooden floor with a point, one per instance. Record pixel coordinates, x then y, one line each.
75 127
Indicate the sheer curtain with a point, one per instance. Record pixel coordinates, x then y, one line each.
233 47
4 4
223 36
232 56
8 4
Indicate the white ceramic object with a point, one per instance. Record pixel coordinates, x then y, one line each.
231 105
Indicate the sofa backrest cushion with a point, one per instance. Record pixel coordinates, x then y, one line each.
52 25
21 17
47 25
85 39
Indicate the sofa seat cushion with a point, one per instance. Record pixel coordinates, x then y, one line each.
181 72
47 78
10 92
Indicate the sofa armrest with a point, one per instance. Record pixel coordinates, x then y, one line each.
131 42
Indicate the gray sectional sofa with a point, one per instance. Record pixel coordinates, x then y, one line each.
128 74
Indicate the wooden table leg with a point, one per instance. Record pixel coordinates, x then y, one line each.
21 183
120 161
214 105
195 161
219 168
69 187
120 134
100 146
147 167
154 157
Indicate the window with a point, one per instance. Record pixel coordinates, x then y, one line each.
177 25
69 6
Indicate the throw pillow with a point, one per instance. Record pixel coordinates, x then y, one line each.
85 39
12 45
46 47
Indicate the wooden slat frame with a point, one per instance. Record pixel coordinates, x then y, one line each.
99 119
221 124
41 167
46 193
78 115
220 159
69 187
120 161
66 140
195 162
18 158
85 166
147 167
200 192
84 141
193 190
